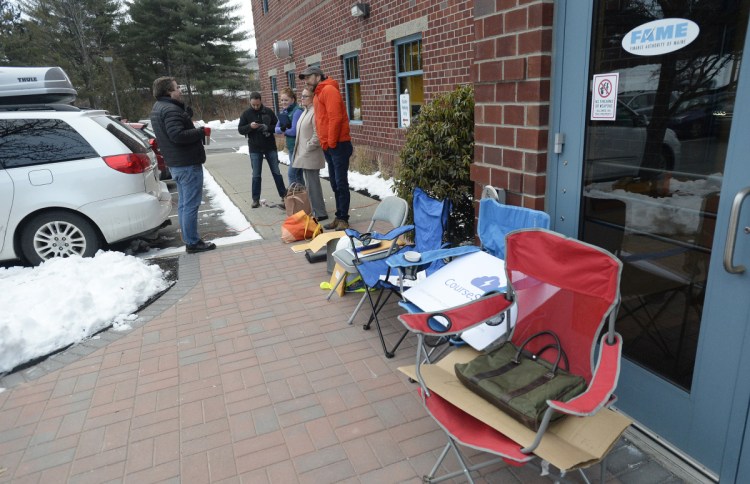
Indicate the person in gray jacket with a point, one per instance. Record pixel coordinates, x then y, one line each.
181 144
308 155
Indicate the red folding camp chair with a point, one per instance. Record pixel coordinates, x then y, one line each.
558 284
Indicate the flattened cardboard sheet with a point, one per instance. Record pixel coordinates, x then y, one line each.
570 443
318 242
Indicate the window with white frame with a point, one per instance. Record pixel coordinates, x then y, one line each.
409 72
352 85
292 79
275 94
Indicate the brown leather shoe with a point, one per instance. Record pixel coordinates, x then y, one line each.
341 224
332 225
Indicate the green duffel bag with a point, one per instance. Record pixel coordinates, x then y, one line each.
518 382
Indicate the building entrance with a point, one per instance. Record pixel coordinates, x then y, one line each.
650 174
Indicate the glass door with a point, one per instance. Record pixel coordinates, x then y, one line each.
652 177
651 185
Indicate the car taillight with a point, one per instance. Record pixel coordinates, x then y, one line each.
131 163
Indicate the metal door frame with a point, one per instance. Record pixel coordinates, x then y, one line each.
563 203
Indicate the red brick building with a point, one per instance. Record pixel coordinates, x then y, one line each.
503 47
511 75
621 180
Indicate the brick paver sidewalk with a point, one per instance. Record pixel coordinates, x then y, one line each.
250 377
241 373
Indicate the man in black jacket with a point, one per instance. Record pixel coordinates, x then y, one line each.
181 144
258 123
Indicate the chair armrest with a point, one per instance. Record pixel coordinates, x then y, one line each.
602 385
364 253
390 235
490 308
397 260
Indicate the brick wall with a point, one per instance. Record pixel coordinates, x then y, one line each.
320 26
511 73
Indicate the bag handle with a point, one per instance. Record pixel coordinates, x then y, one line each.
312 229
556 345
295 189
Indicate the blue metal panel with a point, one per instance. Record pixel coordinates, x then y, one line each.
568 112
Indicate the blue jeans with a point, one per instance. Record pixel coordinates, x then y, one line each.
338 175
256 161
189 181
295 175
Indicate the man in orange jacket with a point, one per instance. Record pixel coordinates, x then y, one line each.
332 124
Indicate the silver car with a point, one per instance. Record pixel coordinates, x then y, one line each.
72 181
616 148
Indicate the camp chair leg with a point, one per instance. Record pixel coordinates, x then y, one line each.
374 315
461 460
559 477
651 322
335 286
432 353
586 479
392 352
602 470
376 307
429 478
465 469
359 305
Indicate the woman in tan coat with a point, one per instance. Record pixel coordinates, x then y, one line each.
308 155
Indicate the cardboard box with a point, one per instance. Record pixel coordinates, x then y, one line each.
569 443
338 272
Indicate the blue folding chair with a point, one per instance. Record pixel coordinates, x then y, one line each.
430 223
496 220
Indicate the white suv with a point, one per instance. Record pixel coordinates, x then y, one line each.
72 180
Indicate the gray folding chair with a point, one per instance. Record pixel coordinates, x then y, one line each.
391 210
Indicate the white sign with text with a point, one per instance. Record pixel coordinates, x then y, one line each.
405 109
604 97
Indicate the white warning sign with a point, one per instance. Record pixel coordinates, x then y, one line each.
604 97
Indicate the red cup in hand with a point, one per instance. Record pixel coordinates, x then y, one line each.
207 132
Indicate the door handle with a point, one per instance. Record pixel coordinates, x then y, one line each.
734 223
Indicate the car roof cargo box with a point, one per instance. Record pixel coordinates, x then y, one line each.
35 85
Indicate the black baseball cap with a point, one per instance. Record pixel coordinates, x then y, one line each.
310 70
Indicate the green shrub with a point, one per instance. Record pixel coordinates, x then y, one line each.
437 155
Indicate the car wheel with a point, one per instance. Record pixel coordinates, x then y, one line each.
58 234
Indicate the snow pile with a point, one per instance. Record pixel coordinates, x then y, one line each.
64 301
225 125
374 184
679 213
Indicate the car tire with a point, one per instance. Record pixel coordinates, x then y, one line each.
58 234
